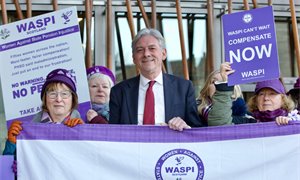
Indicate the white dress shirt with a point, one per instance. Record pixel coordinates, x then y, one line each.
159 99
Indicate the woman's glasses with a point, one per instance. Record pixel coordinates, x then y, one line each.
62 94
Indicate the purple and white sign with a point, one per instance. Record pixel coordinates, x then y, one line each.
29 50
250 45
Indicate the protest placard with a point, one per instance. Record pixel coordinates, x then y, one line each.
250 45
29 50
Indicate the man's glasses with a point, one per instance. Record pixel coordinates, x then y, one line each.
54 94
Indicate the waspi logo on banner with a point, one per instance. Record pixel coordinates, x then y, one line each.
179 164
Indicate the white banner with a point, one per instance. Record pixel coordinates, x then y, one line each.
243 152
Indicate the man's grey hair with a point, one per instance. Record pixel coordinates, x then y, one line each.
149 32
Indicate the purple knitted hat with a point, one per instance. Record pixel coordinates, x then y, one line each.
102 70
274 84
296 87
62 76
297 84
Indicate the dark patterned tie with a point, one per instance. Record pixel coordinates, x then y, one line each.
149 112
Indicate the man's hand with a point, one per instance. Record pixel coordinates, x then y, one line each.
13 131
73 122
178 124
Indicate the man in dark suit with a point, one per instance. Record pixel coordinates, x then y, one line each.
174 97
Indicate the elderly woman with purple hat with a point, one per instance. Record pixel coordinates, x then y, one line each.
270 103
59 103
100 80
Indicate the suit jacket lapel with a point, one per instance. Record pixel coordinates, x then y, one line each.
132 99
169 96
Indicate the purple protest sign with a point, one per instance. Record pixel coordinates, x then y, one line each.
29 50
250 45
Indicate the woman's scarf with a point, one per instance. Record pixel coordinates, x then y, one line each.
267 116
205 111
47 119
102 110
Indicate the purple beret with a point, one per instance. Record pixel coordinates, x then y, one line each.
274 84
296 88
297 84
62 76
101 70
